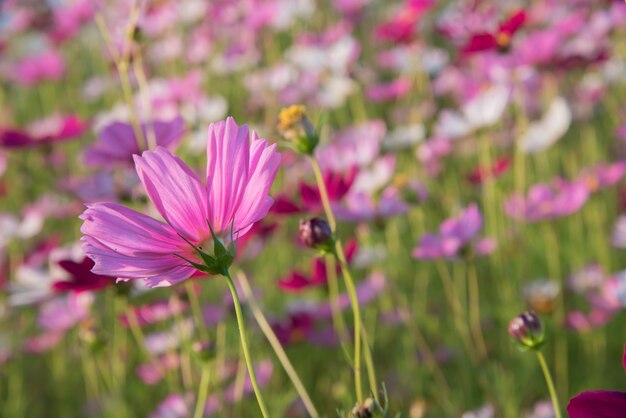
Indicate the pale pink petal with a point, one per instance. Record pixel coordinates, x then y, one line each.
175 191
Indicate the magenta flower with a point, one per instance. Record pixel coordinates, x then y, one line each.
47 131
498 40
118 143
548 202
81 278
598 403
129 245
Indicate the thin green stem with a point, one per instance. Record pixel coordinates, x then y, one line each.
474 309
337 316
354 301
196 309
278 348
546 374
203 391
244 344
324 194
350 287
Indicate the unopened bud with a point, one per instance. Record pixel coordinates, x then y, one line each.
365 410
527 330
315 233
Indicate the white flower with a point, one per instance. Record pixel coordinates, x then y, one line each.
544 133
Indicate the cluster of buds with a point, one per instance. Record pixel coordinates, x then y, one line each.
316 233
294 125
527 331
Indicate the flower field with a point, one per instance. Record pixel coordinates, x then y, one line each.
312 208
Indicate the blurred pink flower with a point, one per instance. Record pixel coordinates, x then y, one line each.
117 142
454 235
153 313
63 312
45 66
498 40
154 371
47 131
548 201
392 90
401 26
68 19
603 175
129 245
174 406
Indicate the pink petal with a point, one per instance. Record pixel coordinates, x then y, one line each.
264 164
127 244
175 191
228 155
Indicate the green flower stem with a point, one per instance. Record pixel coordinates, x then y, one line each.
122 64
354 301
474 308
546 374
244 344
278 348
203 391
350 287
323 194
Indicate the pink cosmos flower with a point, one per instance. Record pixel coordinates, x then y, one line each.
603 175
118 144
454 235
46 66
68 19
400 28
50 130
500 39
548 202
389 91
129 245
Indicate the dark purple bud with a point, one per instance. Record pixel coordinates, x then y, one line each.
315 232
527 330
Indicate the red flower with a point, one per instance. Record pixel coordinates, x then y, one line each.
480 174
500 40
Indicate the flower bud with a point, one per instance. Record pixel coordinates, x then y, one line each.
527 330
297 128
315 233
365 410
204 350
